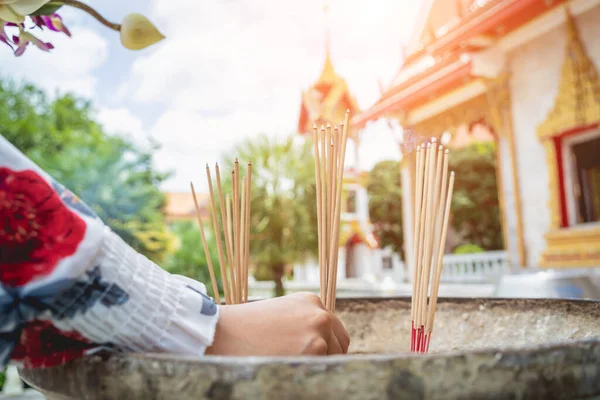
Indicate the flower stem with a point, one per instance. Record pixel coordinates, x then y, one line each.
89 10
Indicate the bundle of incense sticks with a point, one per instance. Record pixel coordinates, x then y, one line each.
235 218
330 156
433 195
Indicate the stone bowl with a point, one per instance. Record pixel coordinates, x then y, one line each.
480 348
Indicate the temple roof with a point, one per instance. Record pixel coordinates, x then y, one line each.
447 34
326 100
180 206
577 103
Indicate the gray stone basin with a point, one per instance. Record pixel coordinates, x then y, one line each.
481 348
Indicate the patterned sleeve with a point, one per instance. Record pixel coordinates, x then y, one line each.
69 285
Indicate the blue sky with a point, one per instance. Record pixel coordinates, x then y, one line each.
227 70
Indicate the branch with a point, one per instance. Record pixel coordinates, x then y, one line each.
89 10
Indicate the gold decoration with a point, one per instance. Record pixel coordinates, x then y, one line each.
473 110
575 247
499 117
578 101
576 105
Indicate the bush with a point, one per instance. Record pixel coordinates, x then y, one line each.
468 249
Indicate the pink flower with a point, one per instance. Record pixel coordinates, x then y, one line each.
53 22
25 38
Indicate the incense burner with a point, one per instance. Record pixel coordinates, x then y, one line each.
480 348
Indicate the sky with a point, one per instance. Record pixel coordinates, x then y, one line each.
227 70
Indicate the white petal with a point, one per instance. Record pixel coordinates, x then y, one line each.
8 15
26 7
8 1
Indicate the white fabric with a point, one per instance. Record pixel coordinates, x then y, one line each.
162 313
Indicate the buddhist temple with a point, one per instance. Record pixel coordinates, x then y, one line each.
526 70
360 256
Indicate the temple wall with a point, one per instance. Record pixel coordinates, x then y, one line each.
535 72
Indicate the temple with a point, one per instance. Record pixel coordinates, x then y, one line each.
360 255
527 72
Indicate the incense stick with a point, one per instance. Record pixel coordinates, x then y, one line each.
319 211
224 220
247 244
211 270
431 212
417 229
217 233
329 151
235 222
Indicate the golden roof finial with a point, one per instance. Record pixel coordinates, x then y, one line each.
577 103
328 74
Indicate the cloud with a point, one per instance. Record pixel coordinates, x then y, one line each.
69 67
121 121
231 69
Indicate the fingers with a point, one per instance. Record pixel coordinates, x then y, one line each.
333 345
332 330
340 333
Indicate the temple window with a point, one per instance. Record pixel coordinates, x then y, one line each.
351 202
581 177
386 262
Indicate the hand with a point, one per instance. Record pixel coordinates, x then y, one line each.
292 325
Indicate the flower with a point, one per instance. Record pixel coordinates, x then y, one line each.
137 32
53 22
38 230
15 10
3 36
41 344
25 38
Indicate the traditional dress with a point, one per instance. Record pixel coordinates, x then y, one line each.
70 286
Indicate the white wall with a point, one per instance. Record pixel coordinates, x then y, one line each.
535 72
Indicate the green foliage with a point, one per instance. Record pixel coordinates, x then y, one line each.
189 258
112 176
475 205
385 204
283 203
468 248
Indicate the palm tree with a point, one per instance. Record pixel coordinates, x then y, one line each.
283 204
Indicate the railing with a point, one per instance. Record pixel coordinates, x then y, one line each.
475 268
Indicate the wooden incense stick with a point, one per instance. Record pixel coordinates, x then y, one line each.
438 263
329 147
323 169
242 240
431 212
228 244
217 233
417 294
319 212
211 270
338 207
416 235
235 222
229 225
247 244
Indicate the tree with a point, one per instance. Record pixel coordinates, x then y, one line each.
385 204
114 177
475 205
283 204
189 258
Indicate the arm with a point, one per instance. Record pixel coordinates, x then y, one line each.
68 283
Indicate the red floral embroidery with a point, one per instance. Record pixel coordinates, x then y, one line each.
42 345
37 230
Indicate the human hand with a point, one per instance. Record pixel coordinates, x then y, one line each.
297 324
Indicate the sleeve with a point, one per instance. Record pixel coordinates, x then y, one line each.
69 285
